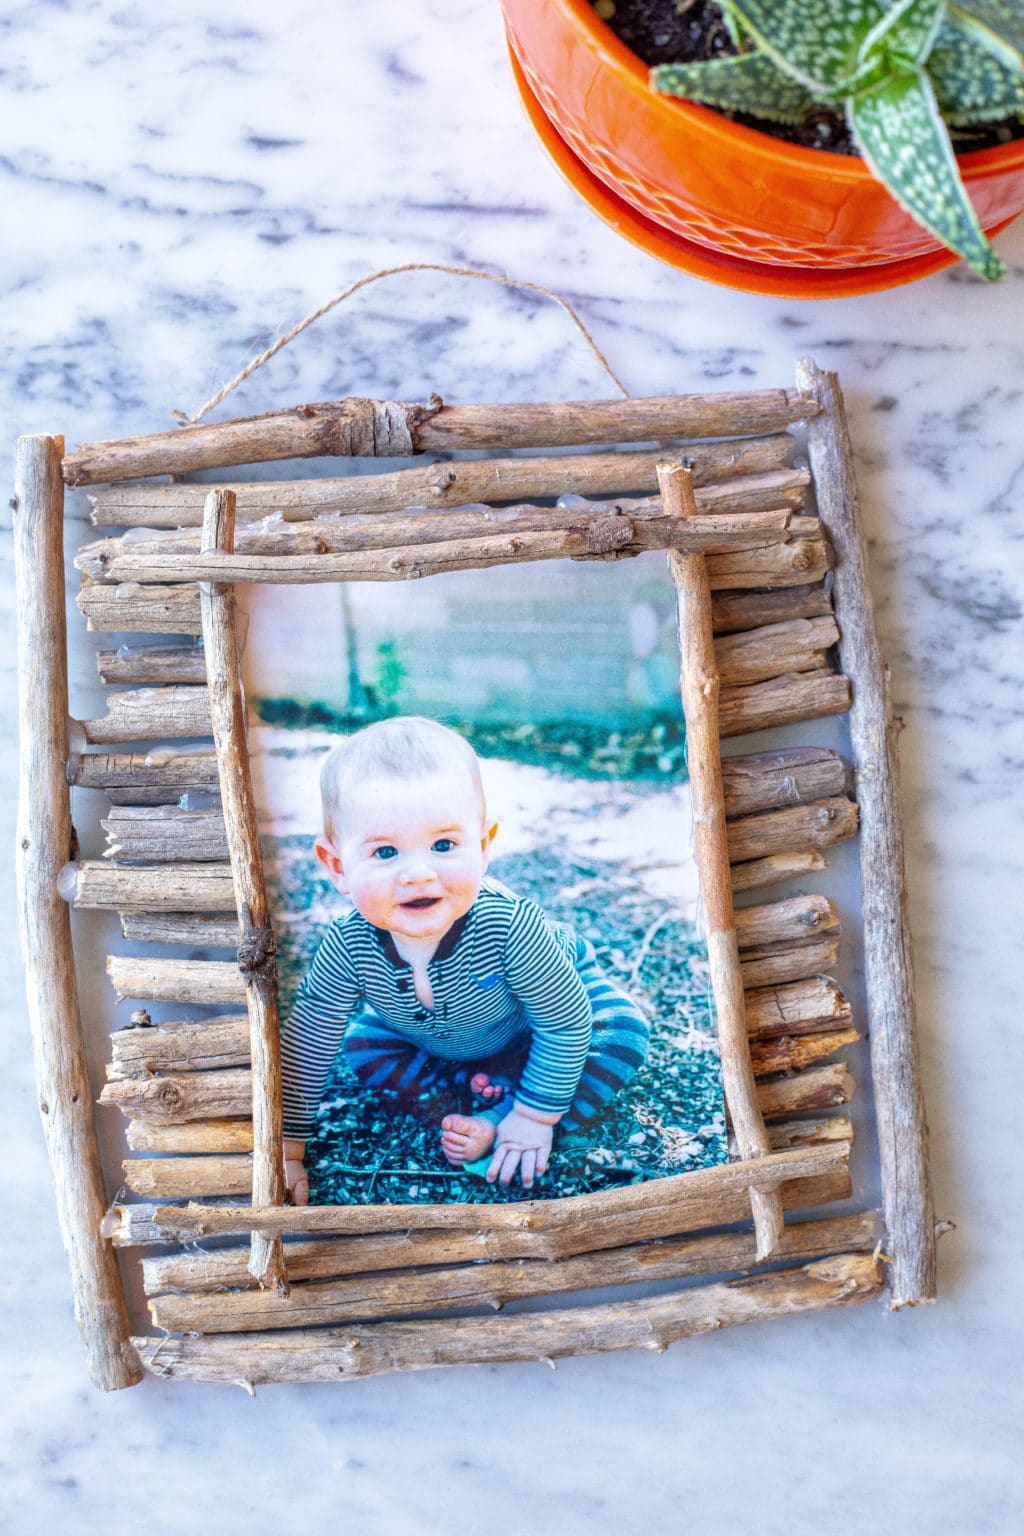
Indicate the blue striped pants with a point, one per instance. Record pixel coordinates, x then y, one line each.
386 1061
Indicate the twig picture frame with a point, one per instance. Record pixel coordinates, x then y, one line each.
768 594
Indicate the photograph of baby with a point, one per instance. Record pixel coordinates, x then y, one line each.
475 821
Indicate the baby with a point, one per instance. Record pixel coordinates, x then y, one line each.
442 978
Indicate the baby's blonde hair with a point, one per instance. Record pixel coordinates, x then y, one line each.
401 748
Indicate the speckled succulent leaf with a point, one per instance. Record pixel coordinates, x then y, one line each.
1002 19
817 42
733 23
906 33
972 83
747 83
905 144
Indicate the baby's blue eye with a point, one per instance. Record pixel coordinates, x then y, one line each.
385 851
444 845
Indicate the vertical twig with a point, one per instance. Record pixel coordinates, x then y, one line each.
256 944
895 1058
45 838
700 686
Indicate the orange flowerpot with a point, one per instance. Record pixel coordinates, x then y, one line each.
737 206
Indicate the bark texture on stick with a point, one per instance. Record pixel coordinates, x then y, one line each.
162 772
818 825
895 1058
390 429
443 485
734 611
318 1302
44 843
190 1275
164 834
700 685
178 981
763 781
169 888
256 947
150 714
372 1349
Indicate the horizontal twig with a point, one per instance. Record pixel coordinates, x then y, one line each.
818 825
734 611
785 700
361 428
757 874
762 781
164 834
169 888
179 981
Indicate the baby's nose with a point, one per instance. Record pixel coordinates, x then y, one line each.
419 867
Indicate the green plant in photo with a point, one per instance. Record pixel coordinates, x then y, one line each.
902 70
389 677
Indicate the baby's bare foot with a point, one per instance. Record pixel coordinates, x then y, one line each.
483 1087
465 1138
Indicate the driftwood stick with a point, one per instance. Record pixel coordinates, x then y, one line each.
752 656
612 534
790 921
747 511
160 772
152 664
132 609
372 1298
700 687
159 609
171 888
189 928
256 961
756 874
442 485
784 700
815 1088
895 1058
150 714
817 825
163 833
734 611
313 1259
794 1054
372 1349
801 1007
179 981
44 840
774 964
359 428
763 781
180 1045
551 1228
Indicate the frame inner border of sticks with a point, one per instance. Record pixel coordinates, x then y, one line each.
776 627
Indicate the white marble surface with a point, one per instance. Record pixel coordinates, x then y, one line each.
180 183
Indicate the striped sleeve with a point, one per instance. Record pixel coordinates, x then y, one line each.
310 1039
542 975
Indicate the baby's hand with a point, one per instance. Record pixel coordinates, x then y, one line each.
523 1141
295 1171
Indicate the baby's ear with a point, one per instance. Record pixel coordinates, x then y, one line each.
490 833
330 858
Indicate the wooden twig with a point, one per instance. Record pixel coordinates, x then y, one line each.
700 685
388 429
741 512
150 714
152 664
44 841
444 485
133 609
785 700
776 964
763 781
323 1301
256 947
191 928
817 825
895 1061
753 655
180 1046
795 1053
170 772
756 874
816 1088
171 888
789 921
372 1349
160 834
798 1007
179 981
734 611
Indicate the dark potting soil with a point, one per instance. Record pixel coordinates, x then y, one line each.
688 31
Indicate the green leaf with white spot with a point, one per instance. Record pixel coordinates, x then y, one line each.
1003 20
903 140
747 83
905 35
817 42
972 84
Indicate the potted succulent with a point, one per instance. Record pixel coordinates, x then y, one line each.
737 203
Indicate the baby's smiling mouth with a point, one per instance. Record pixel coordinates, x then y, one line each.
419 902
